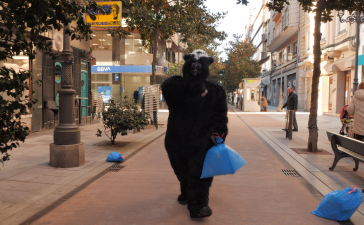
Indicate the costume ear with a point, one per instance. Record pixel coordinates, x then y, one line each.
187 56
211 60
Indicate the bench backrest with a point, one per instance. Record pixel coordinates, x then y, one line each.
347 142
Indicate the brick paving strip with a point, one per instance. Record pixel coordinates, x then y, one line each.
28 185
146 189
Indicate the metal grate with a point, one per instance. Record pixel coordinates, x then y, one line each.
290 173
114 168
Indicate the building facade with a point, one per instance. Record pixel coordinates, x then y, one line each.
338 47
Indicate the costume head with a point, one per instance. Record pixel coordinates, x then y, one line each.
196 67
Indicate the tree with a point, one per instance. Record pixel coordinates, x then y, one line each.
118 119
160 18
21 28
323 10
239 64
173 69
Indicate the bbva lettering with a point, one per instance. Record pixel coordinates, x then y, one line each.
102 69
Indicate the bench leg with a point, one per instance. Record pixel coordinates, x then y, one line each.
356 165
338 156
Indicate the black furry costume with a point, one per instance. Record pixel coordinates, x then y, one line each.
193 117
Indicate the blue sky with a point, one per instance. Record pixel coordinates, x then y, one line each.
236 18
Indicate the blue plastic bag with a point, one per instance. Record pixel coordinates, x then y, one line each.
339 205
115 157
221 160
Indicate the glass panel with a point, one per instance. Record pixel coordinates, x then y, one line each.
103 77
84 66
252 95
93 77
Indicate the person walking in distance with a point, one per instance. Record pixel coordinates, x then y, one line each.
291 104
356 108
264 104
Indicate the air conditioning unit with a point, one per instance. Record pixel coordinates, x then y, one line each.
57 42
264 37
263 55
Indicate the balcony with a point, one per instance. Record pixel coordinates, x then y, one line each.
278 39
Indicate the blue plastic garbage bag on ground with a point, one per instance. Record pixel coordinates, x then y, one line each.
115 157
339 205
221 160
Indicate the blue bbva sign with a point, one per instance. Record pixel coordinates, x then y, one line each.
121 69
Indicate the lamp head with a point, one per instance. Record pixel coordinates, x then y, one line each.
169 43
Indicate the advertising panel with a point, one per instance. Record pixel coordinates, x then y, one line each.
105 91
112 18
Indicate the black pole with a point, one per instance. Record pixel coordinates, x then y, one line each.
358 21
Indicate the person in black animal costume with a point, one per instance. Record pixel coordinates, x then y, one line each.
197 109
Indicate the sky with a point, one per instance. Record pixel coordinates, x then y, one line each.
235 20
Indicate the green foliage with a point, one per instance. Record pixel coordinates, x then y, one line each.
120 117
173 69
143 103
243 2
22 25
159 18
239 64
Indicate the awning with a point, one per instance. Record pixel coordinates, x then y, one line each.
283 38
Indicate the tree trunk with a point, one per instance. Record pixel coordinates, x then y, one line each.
312 122
156 39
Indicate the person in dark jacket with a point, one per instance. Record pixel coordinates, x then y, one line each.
291 104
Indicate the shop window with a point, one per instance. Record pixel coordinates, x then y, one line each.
102 41
294 48
103 77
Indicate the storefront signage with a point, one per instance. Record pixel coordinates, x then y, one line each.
112 18
121 69
251 81
105 91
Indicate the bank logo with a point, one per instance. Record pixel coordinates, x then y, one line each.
103 69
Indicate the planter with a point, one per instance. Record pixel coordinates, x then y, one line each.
138 129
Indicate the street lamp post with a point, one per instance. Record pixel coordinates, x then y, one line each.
274 58
67 149
358 18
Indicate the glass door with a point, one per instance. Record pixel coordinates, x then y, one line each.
347 87
331 88
84 89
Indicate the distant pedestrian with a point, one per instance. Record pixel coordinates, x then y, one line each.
356 108
291 104
264 104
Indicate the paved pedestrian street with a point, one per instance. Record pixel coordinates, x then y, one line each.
145 190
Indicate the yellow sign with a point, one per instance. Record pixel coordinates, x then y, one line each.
251 81
112 18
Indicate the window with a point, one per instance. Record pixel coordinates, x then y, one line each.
274 33
323 31
294 48
288 49
341 27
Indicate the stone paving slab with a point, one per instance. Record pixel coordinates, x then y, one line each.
145 191
28 184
